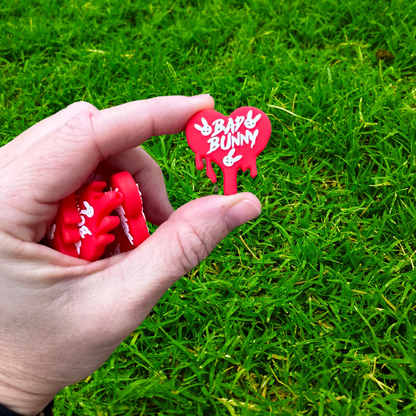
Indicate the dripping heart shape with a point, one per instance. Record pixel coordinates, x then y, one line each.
232 142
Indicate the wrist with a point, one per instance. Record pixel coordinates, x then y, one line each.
48 411
22 403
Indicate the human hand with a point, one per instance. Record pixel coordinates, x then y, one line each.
62 317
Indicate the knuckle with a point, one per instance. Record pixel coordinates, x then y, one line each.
192 247
78 132
155 106
80 107
156 103
80 125
79 129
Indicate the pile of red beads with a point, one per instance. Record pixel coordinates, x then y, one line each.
84 226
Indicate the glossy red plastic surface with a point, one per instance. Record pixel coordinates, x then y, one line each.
231 142
95 208
64 232
83 226
132 230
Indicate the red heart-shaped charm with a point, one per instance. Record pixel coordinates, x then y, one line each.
231 142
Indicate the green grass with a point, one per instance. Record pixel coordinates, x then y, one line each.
310 309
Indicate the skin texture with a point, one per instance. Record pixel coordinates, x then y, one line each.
61 317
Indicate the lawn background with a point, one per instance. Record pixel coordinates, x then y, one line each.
310 309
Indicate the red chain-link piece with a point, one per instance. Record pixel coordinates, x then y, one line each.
95 208
132 230
64 233
84 227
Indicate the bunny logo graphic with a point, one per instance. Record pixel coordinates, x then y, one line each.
250 123
232 142
96 221
84 227
229 160
205 129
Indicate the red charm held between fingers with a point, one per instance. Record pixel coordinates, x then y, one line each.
231 142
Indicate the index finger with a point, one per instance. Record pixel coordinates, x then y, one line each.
59 163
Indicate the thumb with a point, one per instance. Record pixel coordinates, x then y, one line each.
184 240
132 283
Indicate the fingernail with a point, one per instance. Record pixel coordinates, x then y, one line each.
240 213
